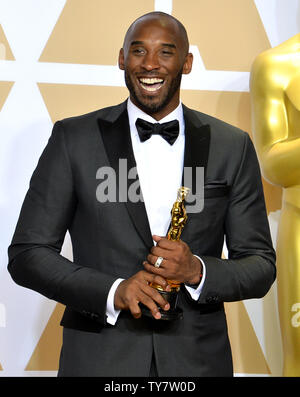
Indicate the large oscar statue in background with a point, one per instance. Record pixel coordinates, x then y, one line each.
275 96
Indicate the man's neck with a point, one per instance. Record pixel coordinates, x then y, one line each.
163 112
177 113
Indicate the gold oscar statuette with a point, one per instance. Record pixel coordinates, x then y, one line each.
178 220
275 99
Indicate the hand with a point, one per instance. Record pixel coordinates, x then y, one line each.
179 263
136 289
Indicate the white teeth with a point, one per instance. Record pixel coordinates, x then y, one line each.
151 84
150 88
151 81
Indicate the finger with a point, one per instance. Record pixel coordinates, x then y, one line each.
157 279
155 271
153 277
159 251
157 238
135 309
167 273
157 299
152 259
147 301
165 243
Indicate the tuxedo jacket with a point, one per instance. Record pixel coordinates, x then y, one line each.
112 239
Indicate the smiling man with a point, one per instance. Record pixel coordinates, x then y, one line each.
154 57
119 248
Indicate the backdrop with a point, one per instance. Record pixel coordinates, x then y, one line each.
58 58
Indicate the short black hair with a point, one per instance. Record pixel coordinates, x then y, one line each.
160 15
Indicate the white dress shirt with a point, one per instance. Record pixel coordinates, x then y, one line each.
159 168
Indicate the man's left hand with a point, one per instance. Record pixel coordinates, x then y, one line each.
178 261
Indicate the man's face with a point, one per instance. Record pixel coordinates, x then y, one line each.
154 58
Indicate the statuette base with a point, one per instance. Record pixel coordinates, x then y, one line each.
174 313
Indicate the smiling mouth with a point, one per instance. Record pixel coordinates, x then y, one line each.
152 84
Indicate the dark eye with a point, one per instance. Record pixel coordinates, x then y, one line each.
138 51
167 52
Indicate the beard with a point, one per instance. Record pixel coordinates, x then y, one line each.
149 104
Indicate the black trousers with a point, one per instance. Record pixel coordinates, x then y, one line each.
153 369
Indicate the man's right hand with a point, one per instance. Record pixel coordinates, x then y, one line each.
137 290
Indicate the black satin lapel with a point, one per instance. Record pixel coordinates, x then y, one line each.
117 142
197 142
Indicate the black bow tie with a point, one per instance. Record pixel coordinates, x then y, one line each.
169 131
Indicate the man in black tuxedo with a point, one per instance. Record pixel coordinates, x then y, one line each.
116 243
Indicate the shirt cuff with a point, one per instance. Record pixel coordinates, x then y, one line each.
112 313
195 292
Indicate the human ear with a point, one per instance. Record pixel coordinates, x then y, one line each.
121 59
187 67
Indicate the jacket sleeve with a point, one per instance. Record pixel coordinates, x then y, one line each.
34 254
250 269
